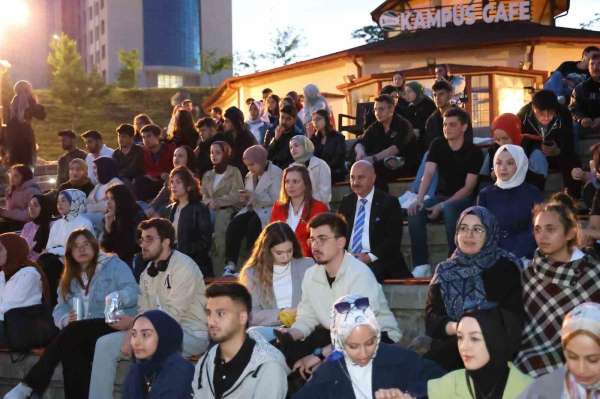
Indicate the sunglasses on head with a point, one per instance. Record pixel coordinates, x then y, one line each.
344 307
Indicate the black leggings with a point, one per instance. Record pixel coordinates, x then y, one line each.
74 348
246 225
53 268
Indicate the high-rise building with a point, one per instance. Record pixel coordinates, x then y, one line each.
169 35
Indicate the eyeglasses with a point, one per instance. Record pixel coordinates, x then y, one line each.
359 303
83 246
476 230
319 240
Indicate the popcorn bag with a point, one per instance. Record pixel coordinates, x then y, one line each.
112 308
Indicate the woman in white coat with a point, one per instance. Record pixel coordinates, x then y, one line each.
302 150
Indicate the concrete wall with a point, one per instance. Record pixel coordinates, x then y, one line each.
216 33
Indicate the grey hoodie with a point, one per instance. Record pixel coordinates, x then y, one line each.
265 376
549 386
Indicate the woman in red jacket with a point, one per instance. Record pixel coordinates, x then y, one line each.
296 205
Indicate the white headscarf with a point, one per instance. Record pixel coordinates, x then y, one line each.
522 166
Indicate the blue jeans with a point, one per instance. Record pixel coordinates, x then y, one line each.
414 187
417 226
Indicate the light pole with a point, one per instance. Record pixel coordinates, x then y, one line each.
4 67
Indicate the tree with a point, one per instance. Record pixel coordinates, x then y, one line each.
212 64
285 44
594 22
130 67
370 33
247 62
69 83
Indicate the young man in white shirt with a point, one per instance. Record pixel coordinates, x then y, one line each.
96 148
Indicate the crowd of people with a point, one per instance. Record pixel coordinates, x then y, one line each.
118 253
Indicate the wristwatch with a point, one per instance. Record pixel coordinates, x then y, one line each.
319 353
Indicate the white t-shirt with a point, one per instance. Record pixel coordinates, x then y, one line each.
282 285
23 289
218 178
361 378
293 219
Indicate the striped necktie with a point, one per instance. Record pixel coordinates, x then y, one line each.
359 224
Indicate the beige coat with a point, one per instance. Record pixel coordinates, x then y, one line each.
266 192
354 277
179 291
320 178
226 193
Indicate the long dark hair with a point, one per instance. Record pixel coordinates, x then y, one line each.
323 113
43 221
126 208
189 181
24 171
73 269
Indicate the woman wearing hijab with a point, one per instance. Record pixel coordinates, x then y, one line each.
21 188
22 281
313 101
478 271
238 136
560 277
19 140
256 123
507 129
511 200
261 189
579 378
362 367
220 191
158 370
420 107
36 232
71 207
487 341
78 177
302 150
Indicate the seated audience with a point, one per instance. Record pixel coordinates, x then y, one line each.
277 139
580 343
89 276
506 129
569 74
71 207
190 218
585 102
78 177
171 282
511 200
216 113
559 278
487 340
238 136
184 131
551 126
139 122
337 273
21 188
273 275
36 232
390 137
68 141
129 156
261 189
240 365
182 156
220 191
296 204
589 179
313 102
121 219
302 150
207 128
330 145
374 222
420 107
105 170
257 125
457 162
158 369
96 148
22 281
158 162
361 365
477 272
400 104
272 110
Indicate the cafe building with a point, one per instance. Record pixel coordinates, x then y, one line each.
503 50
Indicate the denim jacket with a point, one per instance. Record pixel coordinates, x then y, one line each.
112 274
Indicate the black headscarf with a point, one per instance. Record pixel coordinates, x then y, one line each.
170 341
43 221
106 169
501 331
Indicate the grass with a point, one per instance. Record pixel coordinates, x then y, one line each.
120 106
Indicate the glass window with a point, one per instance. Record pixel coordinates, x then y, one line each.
91 36
96 8
97 30
90 12
480 101
103 51
512 92
102 4
91 61
167 81
97 58
102 27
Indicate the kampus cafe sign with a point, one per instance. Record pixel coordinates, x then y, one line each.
456 15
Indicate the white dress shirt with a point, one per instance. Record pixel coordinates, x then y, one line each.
366 243
293 218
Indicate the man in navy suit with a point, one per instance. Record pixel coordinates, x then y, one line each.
375 224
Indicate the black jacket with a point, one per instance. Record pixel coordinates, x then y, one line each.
122 238
333 152
130 165
585 100
279 149
202 152
239 143
385 233
194 233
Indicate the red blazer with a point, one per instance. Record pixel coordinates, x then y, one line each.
279 214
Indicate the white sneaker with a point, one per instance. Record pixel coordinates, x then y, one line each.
422 271
21 391
229 271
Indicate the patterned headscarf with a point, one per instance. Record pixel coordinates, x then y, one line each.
342 325
76 199
460 276
309 148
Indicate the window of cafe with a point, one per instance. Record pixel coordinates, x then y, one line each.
480 101
512 92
